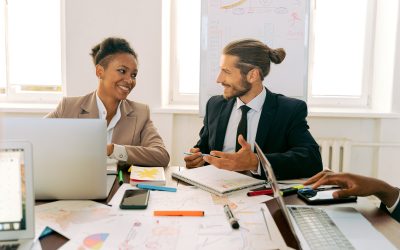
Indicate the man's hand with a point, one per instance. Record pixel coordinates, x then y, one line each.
195 160
356 185
242 160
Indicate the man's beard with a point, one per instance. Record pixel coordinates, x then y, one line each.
245 87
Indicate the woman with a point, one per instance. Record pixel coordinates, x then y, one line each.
131 135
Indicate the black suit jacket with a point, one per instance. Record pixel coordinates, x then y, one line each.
396 213
282 134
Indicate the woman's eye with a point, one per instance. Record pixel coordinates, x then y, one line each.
122 71
133 76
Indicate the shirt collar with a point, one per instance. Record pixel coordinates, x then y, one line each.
255 104
103 111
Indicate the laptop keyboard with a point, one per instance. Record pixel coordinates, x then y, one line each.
11 246
318 229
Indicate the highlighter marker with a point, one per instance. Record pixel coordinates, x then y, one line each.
120 178
178 213
156 188
260 192
291 190
231 218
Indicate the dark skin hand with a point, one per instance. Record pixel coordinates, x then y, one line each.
355 185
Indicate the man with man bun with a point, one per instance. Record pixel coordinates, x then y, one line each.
248 112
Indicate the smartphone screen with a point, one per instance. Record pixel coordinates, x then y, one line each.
135 199
311 196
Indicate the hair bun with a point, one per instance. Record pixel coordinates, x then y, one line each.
277 55
111 46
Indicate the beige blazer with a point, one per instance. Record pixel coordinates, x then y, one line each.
134 130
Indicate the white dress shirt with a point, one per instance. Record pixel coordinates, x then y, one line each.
119 153
253 118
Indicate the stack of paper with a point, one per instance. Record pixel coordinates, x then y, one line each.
147 175
217 181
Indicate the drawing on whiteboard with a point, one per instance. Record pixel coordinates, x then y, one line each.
280 24
233 5
295 19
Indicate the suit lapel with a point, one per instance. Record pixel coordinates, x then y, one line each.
225 113
89 107
124 130
266 119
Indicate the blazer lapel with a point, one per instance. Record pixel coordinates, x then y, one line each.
89 107
124 130
266 119
225 113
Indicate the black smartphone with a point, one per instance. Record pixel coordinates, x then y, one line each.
135 199
322 196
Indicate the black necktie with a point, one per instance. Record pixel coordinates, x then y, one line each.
242 128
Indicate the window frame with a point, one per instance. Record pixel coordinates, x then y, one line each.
15 93
174 95
367 73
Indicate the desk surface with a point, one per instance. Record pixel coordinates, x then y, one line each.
378 218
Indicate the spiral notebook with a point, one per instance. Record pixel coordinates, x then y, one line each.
217 181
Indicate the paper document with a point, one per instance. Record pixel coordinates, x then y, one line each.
217 181
89 224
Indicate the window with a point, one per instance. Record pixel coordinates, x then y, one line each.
30 50
3 78
185 51
351 52
341 48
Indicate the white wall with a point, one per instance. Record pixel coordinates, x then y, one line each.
88 22
139 21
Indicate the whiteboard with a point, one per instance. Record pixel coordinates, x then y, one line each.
278 23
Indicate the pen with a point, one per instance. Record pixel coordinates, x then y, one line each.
157 188
229 215
291 190
189 153
179 213
260 192
120 177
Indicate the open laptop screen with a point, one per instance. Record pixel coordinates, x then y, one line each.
277 206
65 151
16 192
12 190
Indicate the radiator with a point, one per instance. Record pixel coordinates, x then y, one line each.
335 153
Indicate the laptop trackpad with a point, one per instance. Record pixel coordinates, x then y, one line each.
357 229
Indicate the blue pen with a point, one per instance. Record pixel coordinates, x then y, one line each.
158 188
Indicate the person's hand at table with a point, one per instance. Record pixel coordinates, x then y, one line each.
244 159
356 185
195 160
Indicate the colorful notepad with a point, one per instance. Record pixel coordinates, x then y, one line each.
147 175
217 181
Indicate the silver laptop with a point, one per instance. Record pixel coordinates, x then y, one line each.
16 196
325 227
69 155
